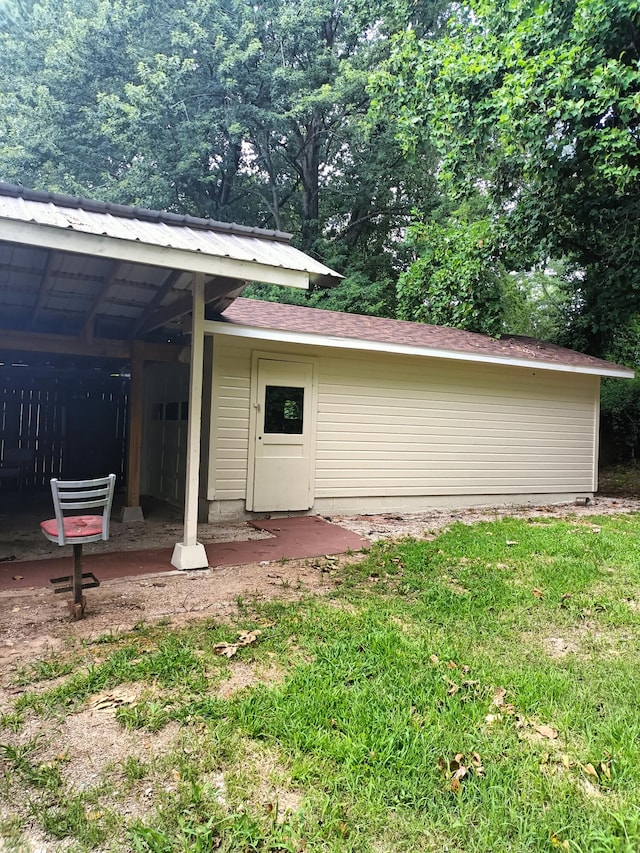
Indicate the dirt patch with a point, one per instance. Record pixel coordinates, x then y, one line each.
34 623
246 675
93 742
559 647
426 525
585 641
270 778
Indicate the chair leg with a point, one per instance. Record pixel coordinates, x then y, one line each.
77 605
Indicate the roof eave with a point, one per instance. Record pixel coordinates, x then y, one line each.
134 251
226 327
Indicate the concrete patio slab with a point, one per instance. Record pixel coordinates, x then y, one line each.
292 538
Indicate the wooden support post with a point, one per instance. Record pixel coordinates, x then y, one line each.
132 511
191 554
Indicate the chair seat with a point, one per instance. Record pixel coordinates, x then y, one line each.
80 527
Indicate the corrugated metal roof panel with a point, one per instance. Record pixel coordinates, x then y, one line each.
259 248
131 267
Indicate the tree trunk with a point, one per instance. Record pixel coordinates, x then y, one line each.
309 168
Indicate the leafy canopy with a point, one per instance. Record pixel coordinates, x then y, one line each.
536 106
238 111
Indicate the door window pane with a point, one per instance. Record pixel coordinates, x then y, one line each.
283 407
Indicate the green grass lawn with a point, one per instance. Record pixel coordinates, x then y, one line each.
477 692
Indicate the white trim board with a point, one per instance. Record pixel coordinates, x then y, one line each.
216 327
133 251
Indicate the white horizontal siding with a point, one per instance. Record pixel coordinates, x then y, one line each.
405 427
395 426
230 420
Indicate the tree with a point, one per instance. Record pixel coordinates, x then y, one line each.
536 105
221 108
456 279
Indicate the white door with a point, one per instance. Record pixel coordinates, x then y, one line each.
282 432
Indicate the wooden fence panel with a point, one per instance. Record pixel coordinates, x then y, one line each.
74 421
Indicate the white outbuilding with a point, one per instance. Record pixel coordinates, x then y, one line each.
308 410
230 407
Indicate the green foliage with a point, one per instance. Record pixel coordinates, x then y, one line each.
620 399
537 106
620 418
538 302
237 111
456 279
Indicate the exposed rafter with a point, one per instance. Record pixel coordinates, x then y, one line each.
86 333
99 347
217 290
168 284
43 286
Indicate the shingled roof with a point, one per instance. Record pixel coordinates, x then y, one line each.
332 328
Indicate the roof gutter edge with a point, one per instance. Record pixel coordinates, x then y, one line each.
226 327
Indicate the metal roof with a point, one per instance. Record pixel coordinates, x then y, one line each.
141 213
77 266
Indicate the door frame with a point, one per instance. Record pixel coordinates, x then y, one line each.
256 357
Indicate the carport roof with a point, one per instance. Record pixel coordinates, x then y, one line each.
85 268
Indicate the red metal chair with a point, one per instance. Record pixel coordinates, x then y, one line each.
70 528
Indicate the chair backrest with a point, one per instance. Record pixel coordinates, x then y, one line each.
69 496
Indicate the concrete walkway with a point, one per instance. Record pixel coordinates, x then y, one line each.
293 538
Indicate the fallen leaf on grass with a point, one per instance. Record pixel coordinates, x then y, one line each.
434 659
557 842
112 699
534 732
600 773
228 650
546 731
554 763
455 688
477 764
537 593
457 768
498 697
